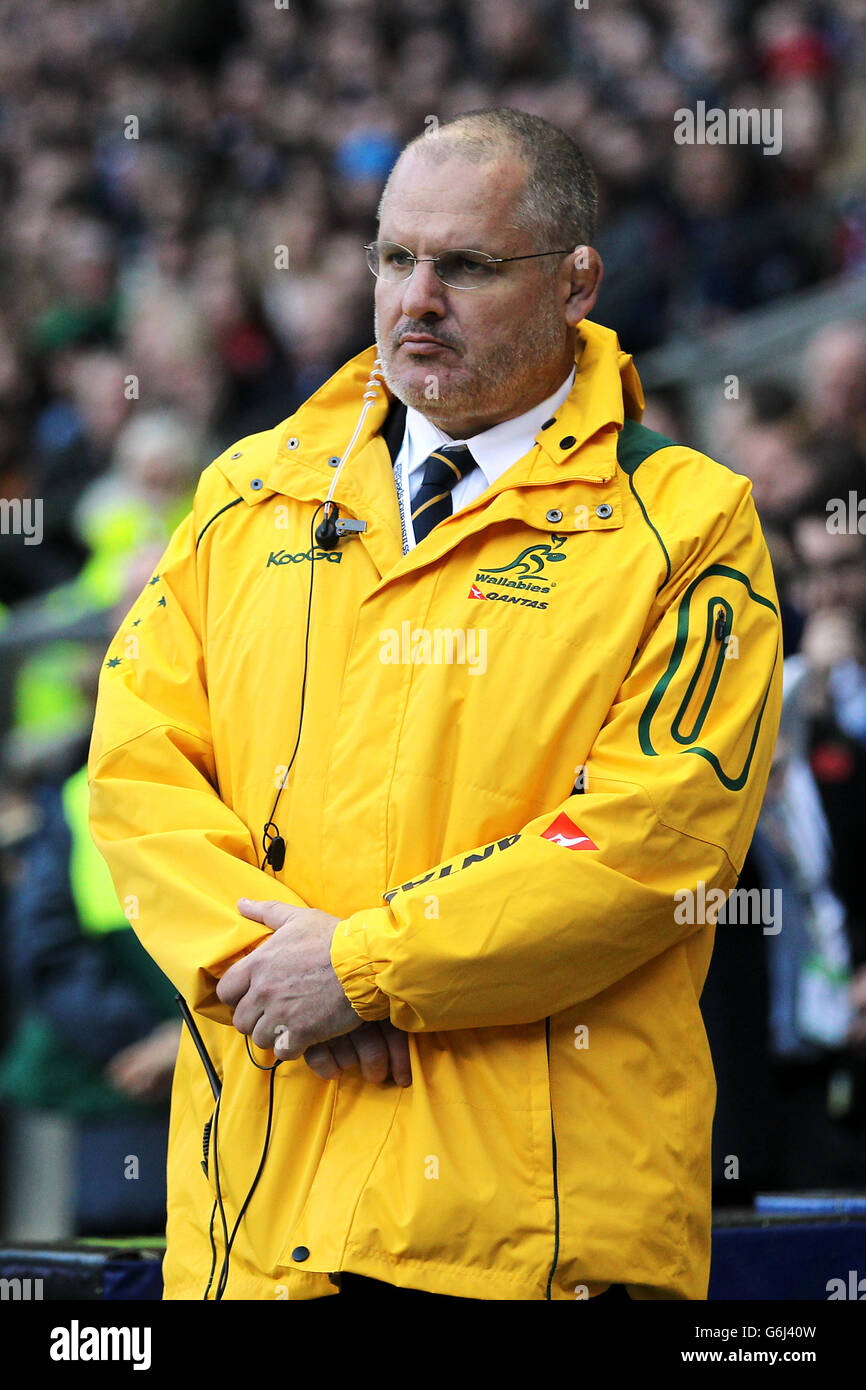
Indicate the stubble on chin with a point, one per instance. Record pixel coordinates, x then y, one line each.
437 401
488 386
422 389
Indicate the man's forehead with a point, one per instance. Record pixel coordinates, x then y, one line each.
447 196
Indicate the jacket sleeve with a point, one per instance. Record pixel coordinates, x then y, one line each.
568 904
178 855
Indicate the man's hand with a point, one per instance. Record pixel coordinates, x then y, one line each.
380 1049
286 994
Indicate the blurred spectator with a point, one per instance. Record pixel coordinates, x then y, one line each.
834 401
96 1029
98 1033
762 435
140 501
791 1070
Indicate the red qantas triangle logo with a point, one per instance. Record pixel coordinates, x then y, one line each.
475 592
564 832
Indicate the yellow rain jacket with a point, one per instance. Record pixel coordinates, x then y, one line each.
534 749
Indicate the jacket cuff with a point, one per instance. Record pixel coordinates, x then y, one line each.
354 968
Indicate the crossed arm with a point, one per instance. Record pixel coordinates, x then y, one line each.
286 996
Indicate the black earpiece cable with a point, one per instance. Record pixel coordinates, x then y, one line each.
229 1240
275 854
212 1251
327 537
273 842
274 846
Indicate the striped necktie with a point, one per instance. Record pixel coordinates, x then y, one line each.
433 501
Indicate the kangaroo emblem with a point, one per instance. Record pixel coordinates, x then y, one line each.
532 560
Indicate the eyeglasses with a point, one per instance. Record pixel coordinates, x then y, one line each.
461 270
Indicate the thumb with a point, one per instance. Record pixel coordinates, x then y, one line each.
270 913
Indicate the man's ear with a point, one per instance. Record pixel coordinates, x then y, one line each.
586 276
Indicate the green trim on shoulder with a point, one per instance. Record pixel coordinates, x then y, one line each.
634 445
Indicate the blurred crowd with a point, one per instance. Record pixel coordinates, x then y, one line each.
791 1056
185 191
154 160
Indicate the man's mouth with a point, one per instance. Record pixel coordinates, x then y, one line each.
423 343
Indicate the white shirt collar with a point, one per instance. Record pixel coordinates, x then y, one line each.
494 449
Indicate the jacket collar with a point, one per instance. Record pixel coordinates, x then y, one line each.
579 443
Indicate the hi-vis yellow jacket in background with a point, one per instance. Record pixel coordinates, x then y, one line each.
523 742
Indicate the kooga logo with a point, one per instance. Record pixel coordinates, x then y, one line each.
285 557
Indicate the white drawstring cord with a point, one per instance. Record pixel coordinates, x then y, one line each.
371 393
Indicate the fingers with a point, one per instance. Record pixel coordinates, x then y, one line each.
399 1058
321 1060
264 1035
364 1047
343 1051
287 1046
235 982
247 1013
381 1051
372 1052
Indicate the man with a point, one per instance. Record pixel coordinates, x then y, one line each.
512 736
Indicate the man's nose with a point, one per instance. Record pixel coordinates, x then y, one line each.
424 293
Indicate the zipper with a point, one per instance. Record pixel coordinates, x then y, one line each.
555 1176
699 696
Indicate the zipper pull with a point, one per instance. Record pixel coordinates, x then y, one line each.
721 625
